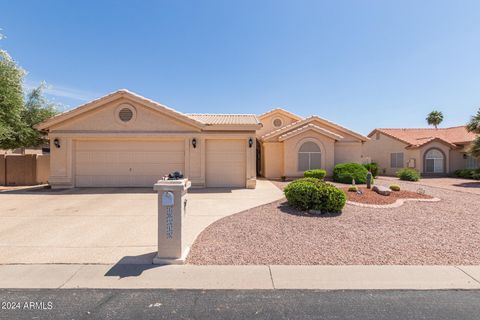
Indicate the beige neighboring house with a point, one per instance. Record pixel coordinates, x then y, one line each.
126 140
430 151
289 144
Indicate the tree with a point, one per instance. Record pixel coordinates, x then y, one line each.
11 102
434 118
474 126
37 109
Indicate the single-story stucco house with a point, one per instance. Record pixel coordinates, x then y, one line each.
126 140
289 144
428 150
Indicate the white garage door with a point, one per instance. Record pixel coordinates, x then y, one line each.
126 163
225 163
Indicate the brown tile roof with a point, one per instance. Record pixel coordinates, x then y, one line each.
226 119
420 136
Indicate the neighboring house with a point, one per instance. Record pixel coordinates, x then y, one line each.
288 144
125 140
430 151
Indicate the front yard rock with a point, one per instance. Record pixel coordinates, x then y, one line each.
384 191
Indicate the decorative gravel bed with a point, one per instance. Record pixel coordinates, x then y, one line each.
371 197
446 232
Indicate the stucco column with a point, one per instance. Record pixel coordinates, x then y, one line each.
172 196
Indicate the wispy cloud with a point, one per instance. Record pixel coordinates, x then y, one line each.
63 91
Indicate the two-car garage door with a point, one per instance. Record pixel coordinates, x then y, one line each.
140 163
126 163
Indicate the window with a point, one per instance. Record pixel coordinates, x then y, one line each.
471 162
309 156
277 122
434 161
396 160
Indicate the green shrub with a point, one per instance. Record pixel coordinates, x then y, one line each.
302 193
395 187
352 189
346 172
468 173
312 193
331 199
373 167
408 174
317 173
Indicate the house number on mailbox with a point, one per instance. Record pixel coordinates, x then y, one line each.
168 202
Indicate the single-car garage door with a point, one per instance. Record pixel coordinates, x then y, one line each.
126 163
225 163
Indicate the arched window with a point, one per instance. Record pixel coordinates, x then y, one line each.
309 156
434 161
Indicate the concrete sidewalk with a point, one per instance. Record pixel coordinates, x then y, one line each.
239 277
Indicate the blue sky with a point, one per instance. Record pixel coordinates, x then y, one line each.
362 64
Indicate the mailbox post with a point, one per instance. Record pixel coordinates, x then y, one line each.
172 196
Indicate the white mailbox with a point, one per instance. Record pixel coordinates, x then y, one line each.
168 199
172 196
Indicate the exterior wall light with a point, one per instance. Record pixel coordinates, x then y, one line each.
56 142
465 156
250 142
194 143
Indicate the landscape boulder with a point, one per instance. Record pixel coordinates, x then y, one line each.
384 191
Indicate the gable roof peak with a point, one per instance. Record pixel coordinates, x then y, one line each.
280 110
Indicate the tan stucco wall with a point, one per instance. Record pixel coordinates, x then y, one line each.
456 160
103 119
348 152
43 168
272 158
21 170
268 126
379 151
292 145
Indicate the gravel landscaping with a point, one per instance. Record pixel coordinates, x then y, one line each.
371 197
417 233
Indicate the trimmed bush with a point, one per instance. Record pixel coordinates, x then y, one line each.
395 187
373 167
317 173
312 193
331 199
346 172
408 174
352 189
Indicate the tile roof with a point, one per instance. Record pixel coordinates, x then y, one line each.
226 119
420 136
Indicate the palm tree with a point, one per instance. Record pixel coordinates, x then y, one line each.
434 118
474 126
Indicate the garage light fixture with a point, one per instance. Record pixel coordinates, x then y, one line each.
56 142
250 142
194 143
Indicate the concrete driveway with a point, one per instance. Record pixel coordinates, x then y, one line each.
106 225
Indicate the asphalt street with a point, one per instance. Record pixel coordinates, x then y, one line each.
238 304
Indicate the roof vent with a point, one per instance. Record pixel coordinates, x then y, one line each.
125 114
